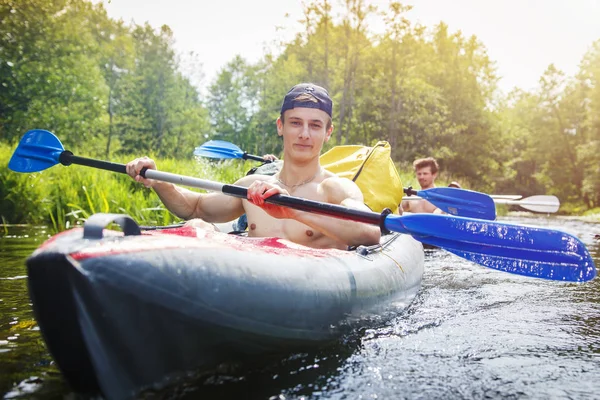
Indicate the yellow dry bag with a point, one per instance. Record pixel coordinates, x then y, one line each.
372 169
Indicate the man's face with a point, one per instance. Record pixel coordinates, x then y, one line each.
425 177
304 132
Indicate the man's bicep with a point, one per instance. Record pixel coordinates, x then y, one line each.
345 192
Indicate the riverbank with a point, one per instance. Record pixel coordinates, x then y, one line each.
61 197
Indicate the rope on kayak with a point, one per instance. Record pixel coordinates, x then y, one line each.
394 260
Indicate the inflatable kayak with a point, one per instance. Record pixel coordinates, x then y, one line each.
122 311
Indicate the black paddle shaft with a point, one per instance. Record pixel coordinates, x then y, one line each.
409 191
67 158
301 204
334 210
247 156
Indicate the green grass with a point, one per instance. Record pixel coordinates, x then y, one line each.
593 214
61 197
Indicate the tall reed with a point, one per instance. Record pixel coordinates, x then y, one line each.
62 197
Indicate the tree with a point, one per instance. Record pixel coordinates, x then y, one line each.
50 72
158 109
588 151
232 100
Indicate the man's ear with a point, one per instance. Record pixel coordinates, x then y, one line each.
329 132
279 127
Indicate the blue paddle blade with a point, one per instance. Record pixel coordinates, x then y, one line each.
37 150
461 202
218 149
523 250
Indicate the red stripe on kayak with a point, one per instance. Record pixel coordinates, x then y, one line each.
190 237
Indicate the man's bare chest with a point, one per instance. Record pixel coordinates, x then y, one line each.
261 224
422 206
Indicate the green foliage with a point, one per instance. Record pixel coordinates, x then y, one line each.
593 214
113 89
231 103
556 130
102 86
62 197
49 68
572 208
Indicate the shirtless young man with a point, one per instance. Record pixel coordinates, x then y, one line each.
426 170
305 125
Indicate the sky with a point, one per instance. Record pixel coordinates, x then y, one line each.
523 37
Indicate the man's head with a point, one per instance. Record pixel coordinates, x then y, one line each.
308 95
426 170
305 121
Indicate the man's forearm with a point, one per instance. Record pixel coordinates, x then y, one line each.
179 201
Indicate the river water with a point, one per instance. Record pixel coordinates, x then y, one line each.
471 332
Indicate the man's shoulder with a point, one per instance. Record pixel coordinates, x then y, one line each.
333 179
334 183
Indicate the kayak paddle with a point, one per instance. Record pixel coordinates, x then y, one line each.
538 203
455 201
529 251
460 202
224 150
505 196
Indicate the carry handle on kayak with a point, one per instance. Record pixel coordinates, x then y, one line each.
94 226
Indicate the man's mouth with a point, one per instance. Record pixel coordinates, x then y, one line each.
302 146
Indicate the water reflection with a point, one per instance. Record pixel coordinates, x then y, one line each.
24 360
302 374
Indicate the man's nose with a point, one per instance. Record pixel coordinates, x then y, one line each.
304 131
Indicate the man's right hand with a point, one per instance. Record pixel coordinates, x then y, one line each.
134 168
270 157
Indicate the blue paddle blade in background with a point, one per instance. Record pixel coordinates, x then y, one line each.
37 150
523 250
461 202
218 149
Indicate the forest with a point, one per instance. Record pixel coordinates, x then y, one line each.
109 89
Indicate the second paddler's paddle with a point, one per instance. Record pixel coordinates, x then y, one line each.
459 202
221 149
505 196
455 201
537 203
535 252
